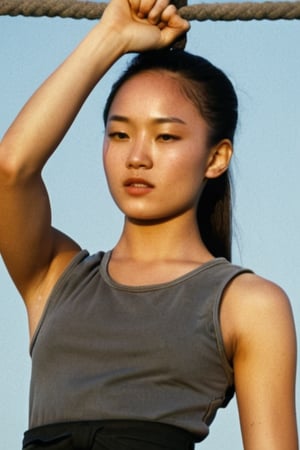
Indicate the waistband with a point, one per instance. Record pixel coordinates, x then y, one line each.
109 435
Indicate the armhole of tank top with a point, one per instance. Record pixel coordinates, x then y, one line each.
62 279
217 325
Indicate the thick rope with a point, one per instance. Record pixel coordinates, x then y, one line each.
206 11
242 11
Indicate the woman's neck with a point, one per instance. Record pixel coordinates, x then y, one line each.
148 254
176 239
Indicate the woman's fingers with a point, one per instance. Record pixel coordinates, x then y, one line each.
149 9
172 25
156 12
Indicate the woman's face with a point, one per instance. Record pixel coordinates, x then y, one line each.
155 149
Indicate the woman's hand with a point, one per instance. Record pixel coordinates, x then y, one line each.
143 25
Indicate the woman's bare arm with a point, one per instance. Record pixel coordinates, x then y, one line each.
34 252
264 359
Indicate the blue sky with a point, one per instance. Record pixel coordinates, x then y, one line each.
262 59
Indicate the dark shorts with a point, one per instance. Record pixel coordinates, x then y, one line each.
108 435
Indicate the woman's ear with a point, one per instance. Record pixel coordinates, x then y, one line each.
219 159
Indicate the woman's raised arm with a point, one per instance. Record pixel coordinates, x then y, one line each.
34 252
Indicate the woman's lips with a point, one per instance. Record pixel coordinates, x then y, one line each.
138 186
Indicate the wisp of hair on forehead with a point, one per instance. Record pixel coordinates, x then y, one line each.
212 93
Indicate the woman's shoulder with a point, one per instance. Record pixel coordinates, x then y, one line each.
254 291
256 310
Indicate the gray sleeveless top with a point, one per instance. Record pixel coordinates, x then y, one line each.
108 351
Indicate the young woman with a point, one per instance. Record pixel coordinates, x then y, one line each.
137 348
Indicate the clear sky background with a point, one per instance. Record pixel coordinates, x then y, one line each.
263 61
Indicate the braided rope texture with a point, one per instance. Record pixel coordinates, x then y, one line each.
78 9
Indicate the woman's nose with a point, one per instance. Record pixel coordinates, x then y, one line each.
139 155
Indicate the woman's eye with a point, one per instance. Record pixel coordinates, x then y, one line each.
118 135
168 137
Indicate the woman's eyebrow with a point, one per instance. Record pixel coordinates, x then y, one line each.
118 118
169 119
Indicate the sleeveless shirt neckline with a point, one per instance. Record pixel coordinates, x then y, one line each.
156 286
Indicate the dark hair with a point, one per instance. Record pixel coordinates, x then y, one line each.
214 96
